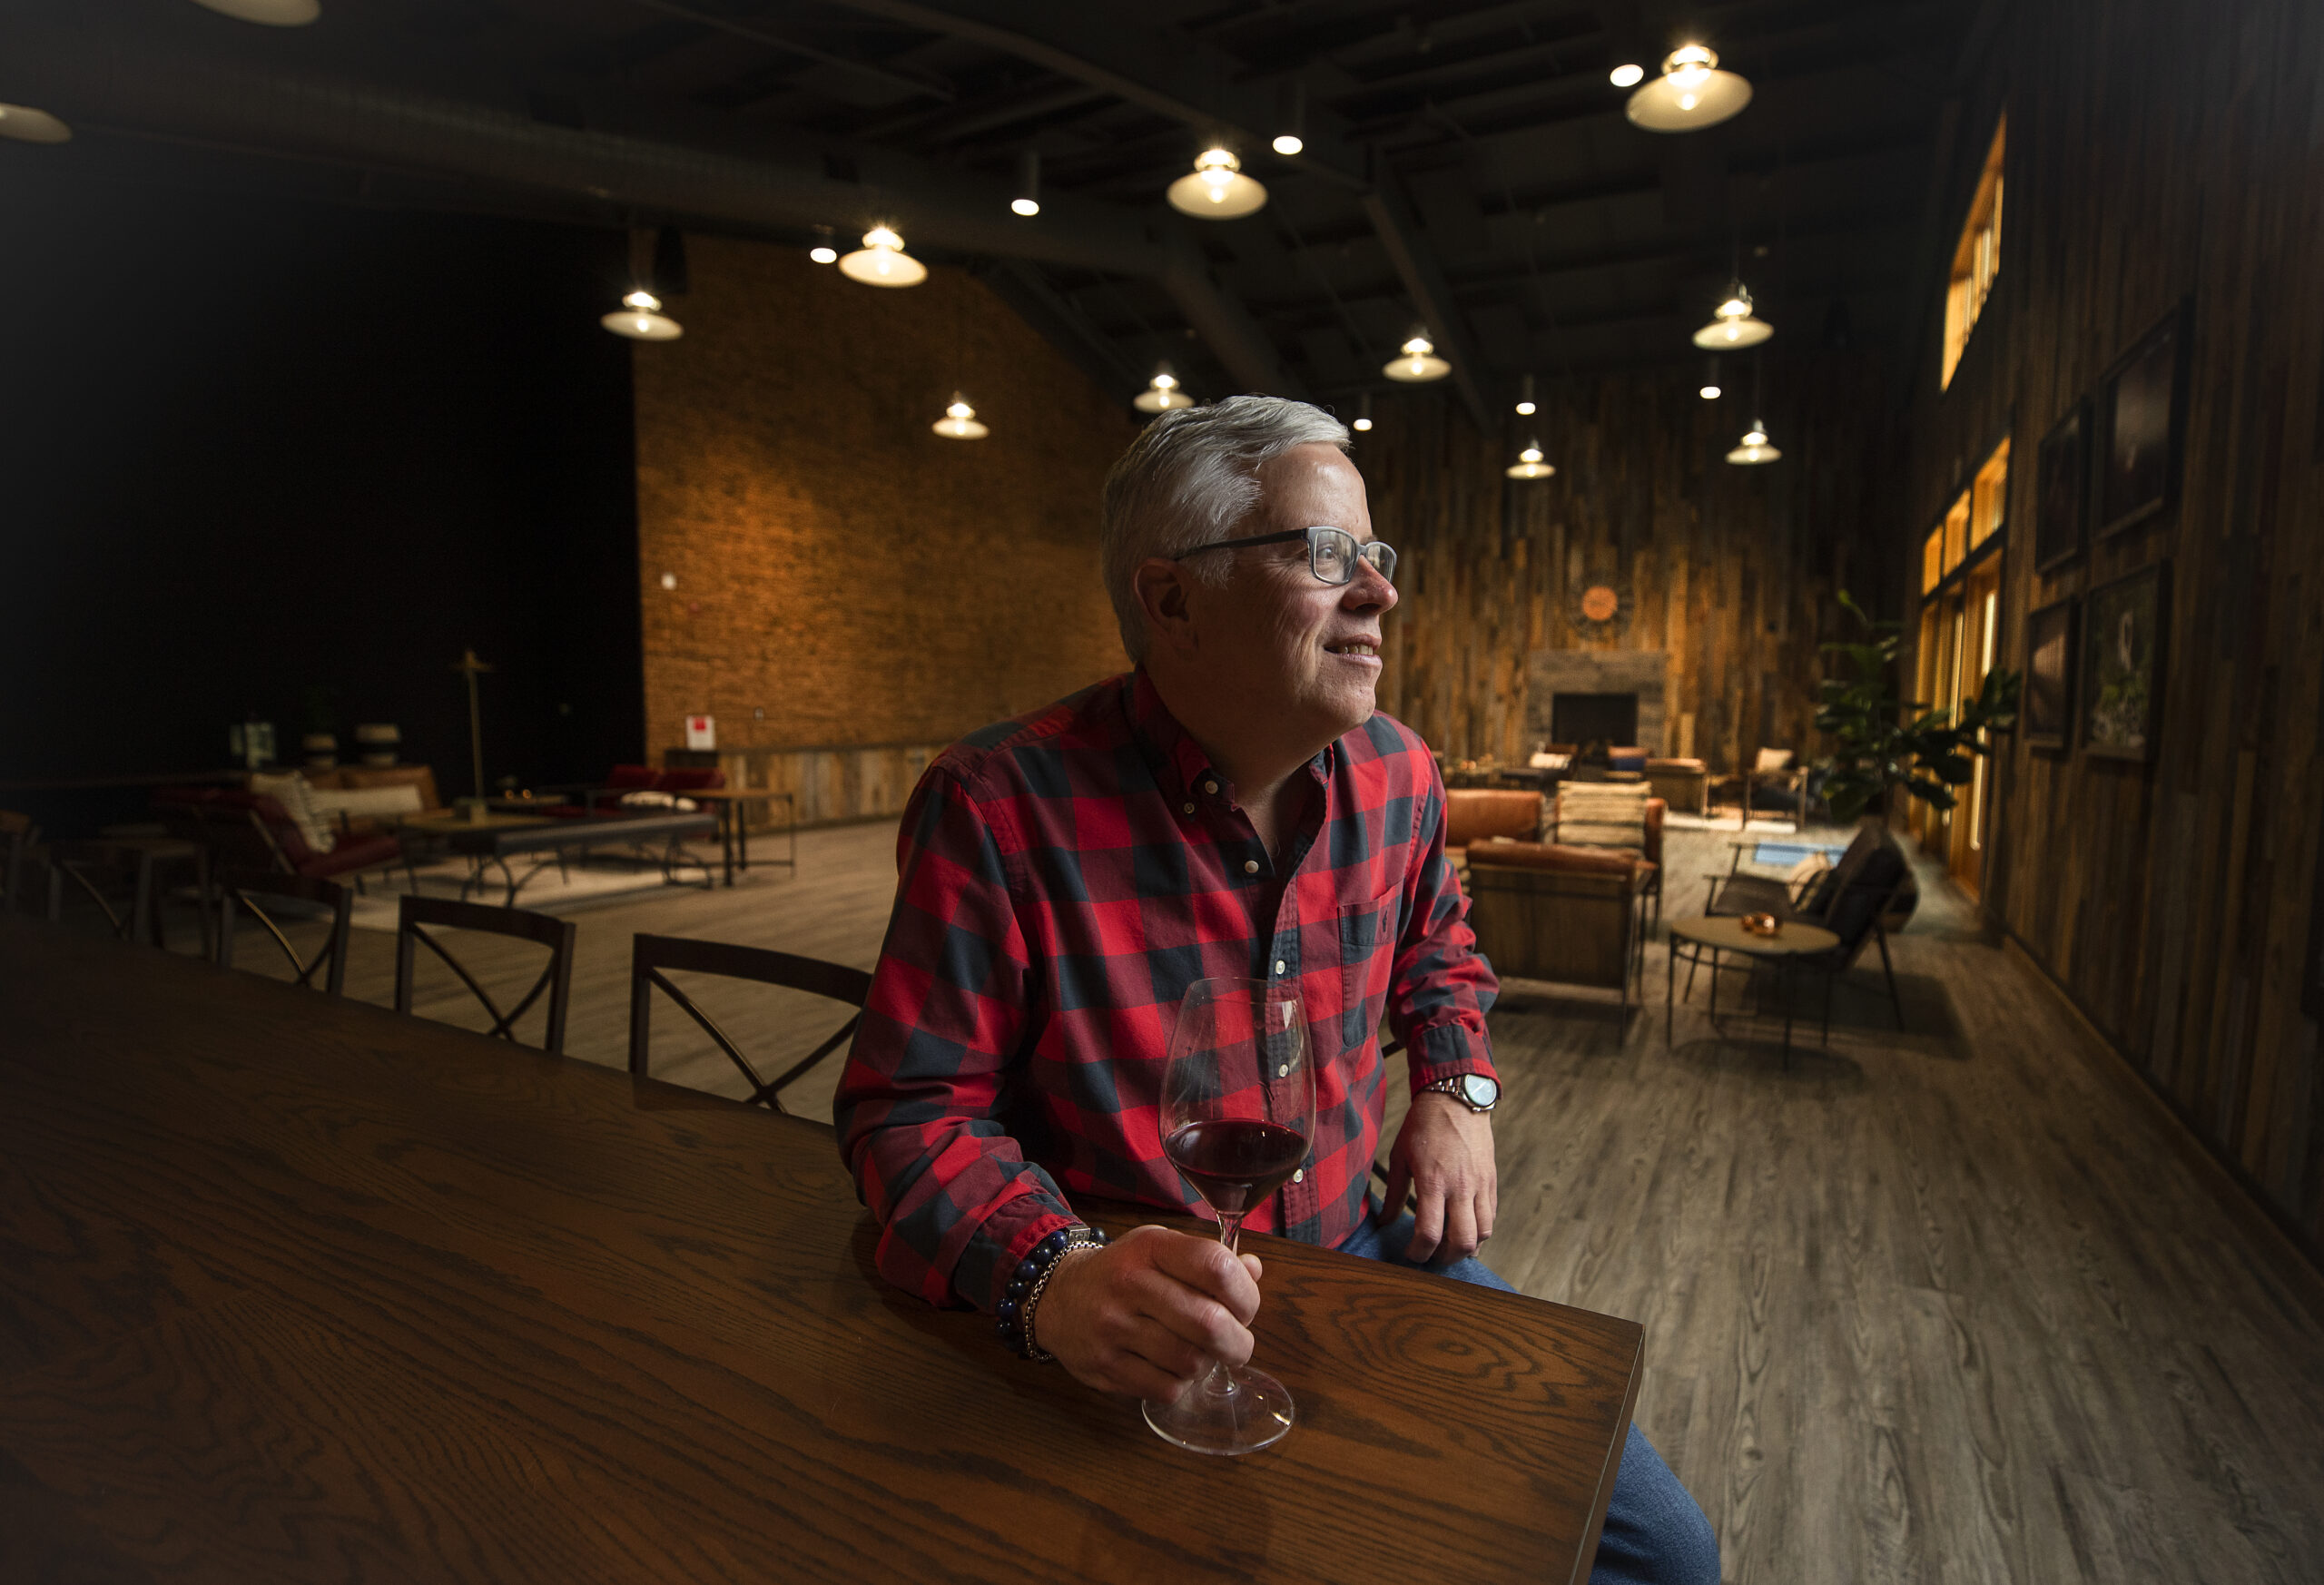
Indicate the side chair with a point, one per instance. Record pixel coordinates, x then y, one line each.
651 955
415 914
252 890
115 876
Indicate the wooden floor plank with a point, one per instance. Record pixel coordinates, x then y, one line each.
1942 1304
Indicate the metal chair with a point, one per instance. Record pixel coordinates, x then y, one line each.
89 865
414 913
650 955
250 890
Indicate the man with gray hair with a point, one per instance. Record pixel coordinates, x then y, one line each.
1233 807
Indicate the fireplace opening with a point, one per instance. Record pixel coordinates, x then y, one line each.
1583 719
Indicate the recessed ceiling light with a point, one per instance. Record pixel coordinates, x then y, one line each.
27 125
266 12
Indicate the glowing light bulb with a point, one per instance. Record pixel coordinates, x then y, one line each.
1364 423
1288 144
1689 68
962 411
642 300
1024 206
1166 382
824 255
1710 393
1531 454
1524 410
1629 75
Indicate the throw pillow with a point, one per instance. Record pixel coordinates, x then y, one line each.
1604 815
298 799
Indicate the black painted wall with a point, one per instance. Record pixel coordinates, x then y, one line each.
252 451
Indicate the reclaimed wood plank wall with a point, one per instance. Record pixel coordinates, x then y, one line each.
1733 571
2160 153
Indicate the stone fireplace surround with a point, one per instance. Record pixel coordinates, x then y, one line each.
1552 672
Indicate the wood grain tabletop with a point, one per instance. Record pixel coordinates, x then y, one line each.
297 1289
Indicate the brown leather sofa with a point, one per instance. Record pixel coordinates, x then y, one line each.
1570 915
1475 814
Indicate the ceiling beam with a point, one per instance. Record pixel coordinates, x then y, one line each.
1174 74
925 83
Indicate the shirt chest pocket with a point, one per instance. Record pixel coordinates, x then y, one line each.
1367 942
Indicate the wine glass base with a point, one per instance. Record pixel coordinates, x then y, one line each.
1255 1413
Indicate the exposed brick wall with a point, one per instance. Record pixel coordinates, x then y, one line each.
859 578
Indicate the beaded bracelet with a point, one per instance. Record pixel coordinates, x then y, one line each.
1013 1322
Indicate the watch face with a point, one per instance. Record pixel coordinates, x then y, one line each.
1478 1090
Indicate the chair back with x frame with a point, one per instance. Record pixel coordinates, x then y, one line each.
250 891
650 955
414 913
86 863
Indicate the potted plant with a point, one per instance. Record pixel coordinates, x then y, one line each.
1882 742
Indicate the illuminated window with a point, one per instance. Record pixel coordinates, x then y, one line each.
1933 560
1989 496
1978 513
1976 261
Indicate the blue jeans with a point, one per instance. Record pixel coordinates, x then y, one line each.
1654 1532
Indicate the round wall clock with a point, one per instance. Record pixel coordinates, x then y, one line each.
1599 607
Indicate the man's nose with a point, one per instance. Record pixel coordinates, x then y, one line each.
1370 589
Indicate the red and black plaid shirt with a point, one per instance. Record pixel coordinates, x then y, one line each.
1062 879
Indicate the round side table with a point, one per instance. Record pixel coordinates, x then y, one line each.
1719 934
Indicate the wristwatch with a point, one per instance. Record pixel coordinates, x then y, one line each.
1472 1090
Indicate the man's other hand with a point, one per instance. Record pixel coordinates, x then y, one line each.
1146 1314
1445 1151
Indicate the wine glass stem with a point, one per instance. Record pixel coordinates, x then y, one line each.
1220 1382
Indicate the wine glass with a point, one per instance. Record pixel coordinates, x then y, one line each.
1238 1114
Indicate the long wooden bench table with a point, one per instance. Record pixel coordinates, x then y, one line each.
297 1289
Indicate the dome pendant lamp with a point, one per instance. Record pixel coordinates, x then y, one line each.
27 125
1732 326
1216 189
1418 364
1528 463
883 261
1691 93
640 318
960 421
1162 393
1754 449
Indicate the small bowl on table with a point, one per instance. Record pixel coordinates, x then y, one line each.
1761 924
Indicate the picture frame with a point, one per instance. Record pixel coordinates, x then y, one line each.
2141 427
2062 488
2125 626
2046 708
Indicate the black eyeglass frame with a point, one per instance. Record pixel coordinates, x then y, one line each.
1363 551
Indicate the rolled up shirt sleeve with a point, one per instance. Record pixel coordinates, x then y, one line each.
919 1108
1442 987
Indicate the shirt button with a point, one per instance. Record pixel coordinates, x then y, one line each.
1299 1177
1210 786
1190 809
1281 967
1250 866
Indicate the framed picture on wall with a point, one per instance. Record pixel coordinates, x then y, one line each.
2061 487
2123 626
2140 419
2045 712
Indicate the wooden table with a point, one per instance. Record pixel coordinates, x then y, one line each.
500 836
1720 933
735 833
293 1288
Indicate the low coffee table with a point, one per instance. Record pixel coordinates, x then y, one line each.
1719 934
496 838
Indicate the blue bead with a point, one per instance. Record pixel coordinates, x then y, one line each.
1017 1288
1026 1271
1008 1311
1055 1241
1004 1331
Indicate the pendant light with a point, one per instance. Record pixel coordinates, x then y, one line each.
1216 190
1732 326
1528 463
266 12
1161 393
1691 93
1418 364
1363 414
1292 116
1754 449
883 261
1709 390
1525 408
1028 201
640 318
960 421
27 125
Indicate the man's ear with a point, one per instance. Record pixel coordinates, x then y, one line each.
1164 594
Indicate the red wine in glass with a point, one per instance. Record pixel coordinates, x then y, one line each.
1238 1117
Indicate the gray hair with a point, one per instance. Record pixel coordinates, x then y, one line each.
1191 480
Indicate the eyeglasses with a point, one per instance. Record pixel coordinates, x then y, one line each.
1332 553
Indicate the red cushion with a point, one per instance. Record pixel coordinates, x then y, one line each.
633 778
353 853
694 779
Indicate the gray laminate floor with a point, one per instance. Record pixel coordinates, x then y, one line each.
1942 1304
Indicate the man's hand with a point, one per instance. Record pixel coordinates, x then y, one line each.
1146 1314
1445 1151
